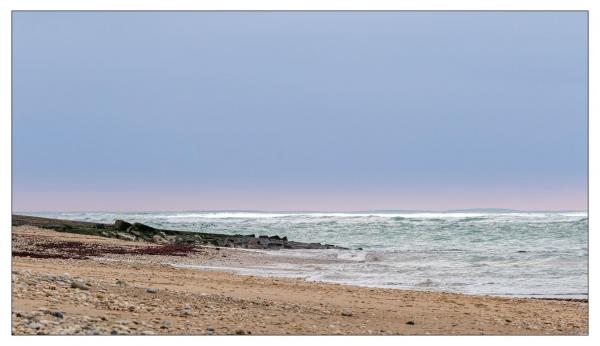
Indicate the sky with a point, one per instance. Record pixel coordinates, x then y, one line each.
158 111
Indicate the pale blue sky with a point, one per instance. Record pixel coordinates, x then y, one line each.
299 111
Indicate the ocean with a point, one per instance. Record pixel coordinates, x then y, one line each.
525 254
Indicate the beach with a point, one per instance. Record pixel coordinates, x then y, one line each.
65 283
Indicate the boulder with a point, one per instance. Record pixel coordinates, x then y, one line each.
121 225
125 236
140 227
136 233
276 242
159 240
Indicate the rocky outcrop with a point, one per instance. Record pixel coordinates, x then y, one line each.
140 232
121 225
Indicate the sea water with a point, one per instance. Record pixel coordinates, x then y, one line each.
531 254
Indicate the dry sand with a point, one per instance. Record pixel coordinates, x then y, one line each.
131 291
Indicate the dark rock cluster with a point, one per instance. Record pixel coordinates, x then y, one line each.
140 232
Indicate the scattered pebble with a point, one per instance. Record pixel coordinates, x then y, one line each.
346 312
57 314
80 285
35 325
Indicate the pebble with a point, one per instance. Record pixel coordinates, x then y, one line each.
80 285
151 290
57 314
35 325
346 312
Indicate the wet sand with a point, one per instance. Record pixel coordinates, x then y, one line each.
75 284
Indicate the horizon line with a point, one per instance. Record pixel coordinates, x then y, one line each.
489 210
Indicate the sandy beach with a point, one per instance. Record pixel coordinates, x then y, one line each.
64 283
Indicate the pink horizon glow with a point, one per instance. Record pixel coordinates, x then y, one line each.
438 200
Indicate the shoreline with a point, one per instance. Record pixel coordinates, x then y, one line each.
236 271
124 289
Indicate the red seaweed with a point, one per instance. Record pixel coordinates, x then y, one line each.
79 250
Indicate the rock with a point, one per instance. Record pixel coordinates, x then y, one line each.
140 227
410 323
151 290
35 325
346 312
240 332
148 332
56 314
165 324
125 236
159 240
136 233
79 284
121 283
121 225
